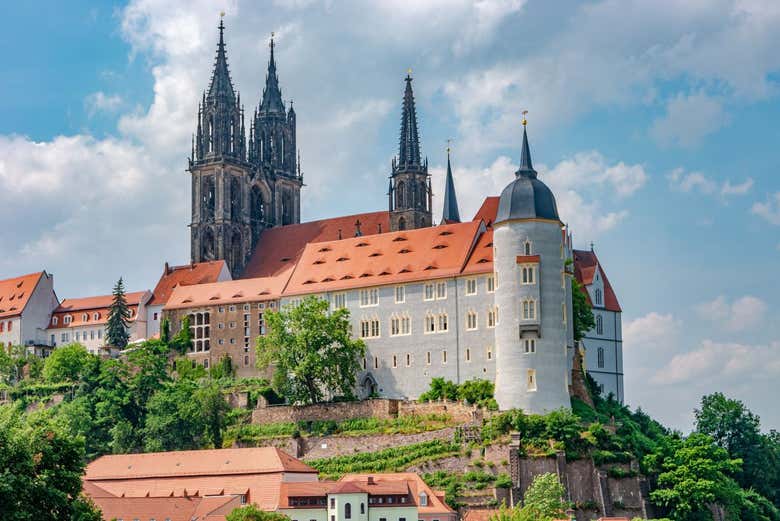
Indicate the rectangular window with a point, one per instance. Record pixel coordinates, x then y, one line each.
369 297
408 360
155 316
471 286
490 353
376 362
333 502
100 334
375 327
428 293
601 357
400 294
530 345
442 322
339 300
430 323
395 326
444 357
468 354
369 328
563 312
232 308
531 380
232 325
441 290
491 284
406 325
395 362
428 358
221 309
529 310
471 320
491 318
527 275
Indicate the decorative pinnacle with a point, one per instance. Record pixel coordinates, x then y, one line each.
525 121
449 142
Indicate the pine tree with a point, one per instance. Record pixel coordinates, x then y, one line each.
118 318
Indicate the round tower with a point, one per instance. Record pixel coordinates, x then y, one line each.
531 332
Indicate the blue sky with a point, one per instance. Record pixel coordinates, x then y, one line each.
654 123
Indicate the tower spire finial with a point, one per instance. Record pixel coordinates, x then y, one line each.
450 213
272 94
526 166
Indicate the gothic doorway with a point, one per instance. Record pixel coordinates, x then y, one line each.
369 387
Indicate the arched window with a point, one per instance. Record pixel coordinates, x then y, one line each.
84 317
599 325
527 247
95 316
235 198
347 511
208 197
600 357
362 508
399 194
401 223
598 297
207 246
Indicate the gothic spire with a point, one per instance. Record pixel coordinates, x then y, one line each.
526 166
221 86
272 94
450 213
409 146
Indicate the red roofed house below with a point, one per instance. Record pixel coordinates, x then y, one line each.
174 277
83 320
214 482
26 303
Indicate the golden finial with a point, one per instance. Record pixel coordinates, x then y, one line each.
449 142
409 71
222 14
525 121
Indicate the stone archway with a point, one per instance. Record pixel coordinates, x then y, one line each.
368 386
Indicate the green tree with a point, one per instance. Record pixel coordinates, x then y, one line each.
41 471
475 390
214 408
174 420
311 350
438 389
252 513
543 502
694 473
118 318
165 330
583 319
736 429
182 341
68 363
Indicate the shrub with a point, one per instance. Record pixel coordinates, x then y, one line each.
503 481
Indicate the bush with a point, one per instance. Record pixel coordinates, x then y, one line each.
503 481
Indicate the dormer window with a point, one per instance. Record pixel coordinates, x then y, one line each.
84 317
54 321
96 316
67 320
423 499
527 247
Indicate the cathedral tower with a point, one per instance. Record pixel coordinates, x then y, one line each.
409 193
272 152
220 226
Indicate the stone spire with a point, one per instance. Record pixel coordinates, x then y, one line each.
220 131
272 94
409 146
450 213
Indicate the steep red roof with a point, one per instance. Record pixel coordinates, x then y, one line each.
387 258
415 484
257 460
487 212
15 293
481 258
186 275
585 264
159 508
279 248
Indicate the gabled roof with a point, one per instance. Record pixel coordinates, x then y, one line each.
228 291
186 275
258 460
388 258
279 248
585 265
15 293
159 508
416 486
76 307
481 258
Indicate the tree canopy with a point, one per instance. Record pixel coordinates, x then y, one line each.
311 350
581 311
543 501
252 513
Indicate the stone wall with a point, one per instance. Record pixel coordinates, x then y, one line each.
380 408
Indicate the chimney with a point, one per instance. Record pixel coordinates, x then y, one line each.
358 233
370 480
339 233
379 228
167 268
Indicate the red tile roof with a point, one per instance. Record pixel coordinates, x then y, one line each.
279 248
487 212
77 307
186 275
481 258
15 293
173 508
479 514
229 291
388 258
415 484
303 489
222 462
585 263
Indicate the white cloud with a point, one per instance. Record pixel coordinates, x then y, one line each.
102 102
739 315
688 120
654 334
728 364
769 210
682 181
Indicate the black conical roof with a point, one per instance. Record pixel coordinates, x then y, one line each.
450 213
272 94
221 86
409 143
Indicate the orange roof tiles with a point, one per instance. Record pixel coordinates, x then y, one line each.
388 258
279 248
173 508
229 291
15 293
257 460
585 263
481 258
77 307
415 484
186 275
479 514
487 212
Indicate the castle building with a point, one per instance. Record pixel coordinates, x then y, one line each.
604 343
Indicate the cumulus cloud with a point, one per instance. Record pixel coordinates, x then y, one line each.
688 119
681 180
102 102
769 210
739 315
